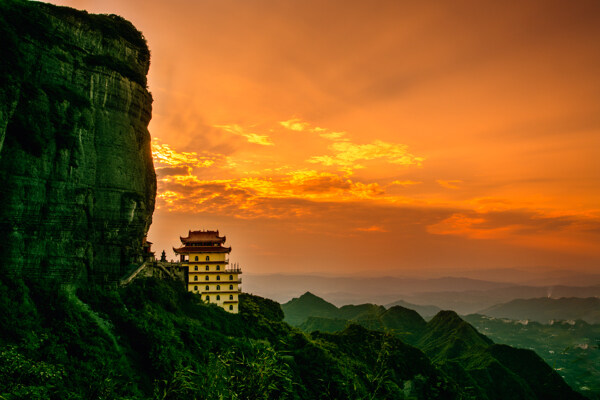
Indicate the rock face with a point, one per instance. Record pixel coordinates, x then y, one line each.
77 183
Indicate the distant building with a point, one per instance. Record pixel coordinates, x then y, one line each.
147 253
204 255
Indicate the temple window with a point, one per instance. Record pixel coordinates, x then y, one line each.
207 268
207 258
207 298
218 278
230 297
218 287
196 268
230 277
230 287
196 258
206 278
218 267
196 288
218 297
195 277
231 306
207 287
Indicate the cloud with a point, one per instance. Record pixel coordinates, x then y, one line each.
242 196
524 228
472 227
164 156
168 162
405 183
296 124
309 184
255 138
347 154
337 136
452 184
373 228
293 191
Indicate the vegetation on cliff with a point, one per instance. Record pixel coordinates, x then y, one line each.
21 19
76 175
153 339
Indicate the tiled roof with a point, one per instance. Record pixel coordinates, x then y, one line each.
202 249
203 236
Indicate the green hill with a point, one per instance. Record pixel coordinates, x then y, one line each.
424 311
307 305
492 371
322 324
403 322
400 319
328 318
447 336
483 369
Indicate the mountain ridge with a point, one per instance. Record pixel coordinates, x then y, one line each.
472 359
468 298
546 309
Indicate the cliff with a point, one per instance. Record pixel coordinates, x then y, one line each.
77 183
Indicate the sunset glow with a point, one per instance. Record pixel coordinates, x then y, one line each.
433 136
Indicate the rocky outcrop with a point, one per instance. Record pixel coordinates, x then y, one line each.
77 183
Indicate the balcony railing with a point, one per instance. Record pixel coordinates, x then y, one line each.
203 261
234 270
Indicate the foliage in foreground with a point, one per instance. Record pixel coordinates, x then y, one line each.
152 339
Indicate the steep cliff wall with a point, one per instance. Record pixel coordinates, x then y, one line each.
77 183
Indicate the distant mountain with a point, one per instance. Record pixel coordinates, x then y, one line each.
311 313
463 295
424 311
401 321
547 309
472 301
360 311
355 290
482 368
299 309
540 276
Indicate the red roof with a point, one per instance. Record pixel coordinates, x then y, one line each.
203 236
202 249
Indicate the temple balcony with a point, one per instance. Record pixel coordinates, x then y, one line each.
187 261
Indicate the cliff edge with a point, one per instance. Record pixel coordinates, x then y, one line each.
77 183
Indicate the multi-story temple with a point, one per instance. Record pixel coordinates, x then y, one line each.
206 258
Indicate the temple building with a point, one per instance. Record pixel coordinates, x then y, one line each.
208 273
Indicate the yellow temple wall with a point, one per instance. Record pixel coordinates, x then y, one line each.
199 257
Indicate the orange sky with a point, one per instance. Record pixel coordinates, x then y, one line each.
383 137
